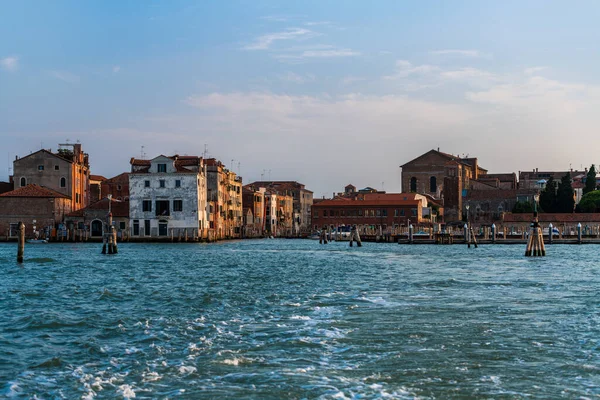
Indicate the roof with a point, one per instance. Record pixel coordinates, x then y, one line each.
47 152
281 185
97 178
121 178
449 157
345 202
33 190
180 162
118 208
502 177
505 194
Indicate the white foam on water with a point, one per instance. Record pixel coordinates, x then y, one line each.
151 376
126 391
300 317
132 350
187 369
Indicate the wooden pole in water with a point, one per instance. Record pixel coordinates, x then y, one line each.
535 243
355 236
114 233
323 236
21 244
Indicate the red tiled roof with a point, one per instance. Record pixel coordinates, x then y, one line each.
33 190
97 178
117 208
121 178
364 203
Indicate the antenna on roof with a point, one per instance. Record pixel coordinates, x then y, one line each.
205 154
142 154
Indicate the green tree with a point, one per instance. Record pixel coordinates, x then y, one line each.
565 196
548 197
590 180
590 202
522 207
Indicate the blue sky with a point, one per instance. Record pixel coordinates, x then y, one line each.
323 92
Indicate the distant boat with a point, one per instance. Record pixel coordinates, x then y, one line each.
36 241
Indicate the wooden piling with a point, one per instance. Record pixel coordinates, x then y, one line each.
323 236
21 244
355 236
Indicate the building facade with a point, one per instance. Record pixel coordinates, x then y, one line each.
371 212
302 202
168 197
65 171
41 209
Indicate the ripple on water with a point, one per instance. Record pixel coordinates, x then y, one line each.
291 319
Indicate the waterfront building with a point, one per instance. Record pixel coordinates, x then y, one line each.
271 221
89 222
225 206
253 200
376 212
41 209
65 171
168 197
302 202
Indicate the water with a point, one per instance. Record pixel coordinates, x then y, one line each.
272 319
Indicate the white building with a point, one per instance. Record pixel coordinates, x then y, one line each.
167 197
271 223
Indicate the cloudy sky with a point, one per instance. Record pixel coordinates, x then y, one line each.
323 92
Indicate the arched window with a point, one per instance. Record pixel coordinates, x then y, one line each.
413 184
23 182
432 184
63 182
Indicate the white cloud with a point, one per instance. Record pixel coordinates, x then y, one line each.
317 23
65 76
296 78
462 53
405 69
275 18
349 80
10 63
116 69
533 70
264 42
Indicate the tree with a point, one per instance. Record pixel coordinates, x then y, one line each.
522 207
590 180
590 202
548 197
565 196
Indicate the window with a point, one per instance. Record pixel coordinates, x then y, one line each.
162 167
413 184
178 183
162 183
122 225
395 213
56 167
40 167
147 227
384 213
146 183
360 213
162 208
378 213
23 182
433 184
315 214
136 227
63 182
147 205
324 213
402 213
413 211
177 205
119 187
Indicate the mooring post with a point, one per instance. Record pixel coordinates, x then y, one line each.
355 236
579 233
114 234
410 234
21 244
466 235
535 243
550 233
493 233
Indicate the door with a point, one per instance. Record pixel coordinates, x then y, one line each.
162 229
96 228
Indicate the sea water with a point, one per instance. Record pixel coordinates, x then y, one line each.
274 319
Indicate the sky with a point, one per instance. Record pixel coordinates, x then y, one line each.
323 92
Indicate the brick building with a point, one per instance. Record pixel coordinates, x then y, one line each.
39 208
67 171
376 211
